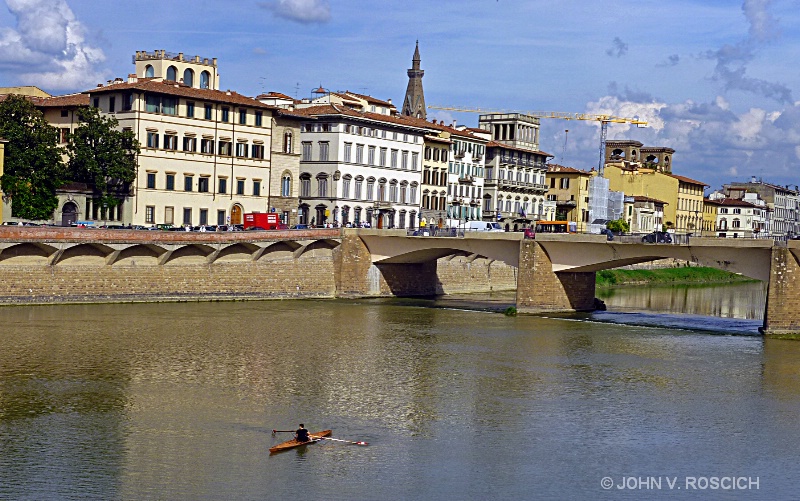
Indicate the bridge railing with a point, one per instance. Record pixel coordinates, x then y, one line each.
433 231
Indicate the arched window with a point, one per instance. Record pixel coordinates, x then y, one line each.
286 185
287 142
393 190
149 72
382 190
205 77
172 74
188 77
322 185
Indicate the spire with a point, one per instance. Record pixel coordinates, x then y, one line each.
414 103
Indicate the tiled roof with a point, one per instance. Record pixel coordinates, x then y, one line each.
330 109
640 198
370 99
567 170
176 89
688 180
734 202
495 144
276 95
65 101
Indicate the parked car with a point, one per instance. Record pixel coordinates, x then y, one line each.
529 233
657 237
299 227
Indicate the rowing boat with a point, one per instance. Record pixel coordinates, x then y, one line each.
291 444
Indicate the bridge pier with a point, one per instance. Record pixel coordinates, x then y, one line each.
782 316
540 289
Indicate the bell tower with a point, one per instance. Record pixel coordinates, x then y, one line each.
414 103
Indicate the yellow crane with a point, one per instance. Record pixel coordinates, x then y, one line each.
603 119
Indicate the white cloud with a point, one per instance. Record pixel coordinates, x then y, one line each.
48 47
301 11
762 25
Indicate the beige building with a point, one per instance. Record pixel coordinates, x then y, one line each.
434 179
644 214
24 90
285 165
569 189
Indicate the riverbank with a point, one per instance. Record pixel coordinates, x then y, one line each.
668 276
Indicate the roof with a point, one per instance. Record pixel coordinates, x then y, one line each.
332 109
65 101
641 198
566 170
761 183
495 144
735 202
370 99
177 89
687 180
277 95
437 139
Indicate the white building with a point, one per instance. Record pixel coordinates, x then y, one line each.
465 178
360 167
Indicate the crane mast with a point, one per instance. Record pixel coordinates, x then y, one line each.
603 119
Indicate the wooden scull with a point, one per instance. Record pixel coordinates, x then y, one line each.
291 444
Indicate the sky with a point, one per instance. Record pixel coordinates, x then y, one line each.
716 80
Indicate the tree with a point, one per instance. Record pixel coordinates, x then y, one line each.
102 156
618 226
34 168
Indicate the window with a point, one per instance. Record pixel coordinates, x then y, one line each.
169 215
63 135
223 186
112 101
221 216
286 186
187 215
287 142
151 180
564 183
207 146
348 149
322 186
150 214
359 182
305 185
188 181
382 159
403 193
152 140
170 142
172 74
225 148
257 151
241 150
346 187
64 113
96 102
382 191
240 186
404 163
359 153
203 216
370 188
171 182
190 109
413 198
202 185
208 111
394 158
414 159
190 144
204 79
259 118
371 155
323 151
188 77
242 117
306 151
226 112
256 188
393 191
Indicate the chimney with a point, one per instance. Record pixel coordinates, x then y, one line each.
454 123
132 78
389 100
752 179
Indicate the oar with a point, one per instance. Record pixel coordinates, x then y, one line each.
338 440
282 431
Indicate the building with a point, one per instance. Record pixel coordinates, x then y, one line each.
737 219
782 203
515 181
414 102
206 153
25 90
569 189
643 214
284 190
435 168
465 178
639 171
359 167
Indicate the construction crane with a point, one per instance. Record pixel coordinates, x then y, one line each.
603 119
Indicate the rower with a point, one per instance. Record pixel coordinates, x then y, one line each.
302 434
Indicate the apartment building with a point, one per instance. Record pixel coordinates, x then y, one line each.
434 202
569 189
782 203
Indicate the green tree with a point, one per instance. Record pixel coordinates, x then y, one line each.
34 168
102 156
618 226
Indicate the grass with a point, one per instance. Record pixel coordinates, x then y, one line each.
668 276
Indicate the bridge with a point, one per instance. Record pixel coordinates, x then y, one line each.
554 272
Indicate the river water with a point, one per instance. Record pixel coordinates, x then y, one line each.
178 401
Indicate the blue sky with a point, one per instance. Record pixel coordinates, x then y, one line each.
716 79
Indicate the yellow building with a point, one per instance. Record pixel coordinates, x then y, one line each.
710 211
569 189
24 90
639 171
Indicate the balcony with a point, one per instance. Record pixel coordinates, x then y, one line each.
466 180
459 155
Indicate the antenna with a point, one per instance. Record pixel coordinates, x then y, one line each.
296 89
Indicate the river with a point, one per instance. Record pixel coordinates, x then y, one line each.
178 401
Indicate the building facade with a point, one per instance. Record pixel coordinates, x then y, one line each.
782 203
465 178
569 189
359 168
643 214
434 202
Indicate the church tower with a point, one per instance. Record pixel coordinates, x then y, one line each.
414 103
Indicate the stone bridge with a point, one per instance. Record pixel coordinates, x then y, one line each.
554 272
